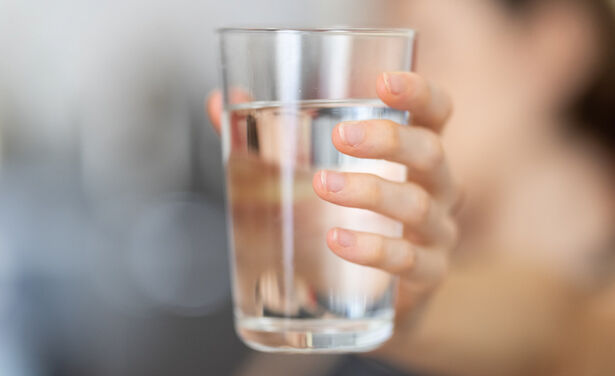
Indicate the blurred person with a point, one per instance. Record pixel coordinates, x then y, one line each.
530 286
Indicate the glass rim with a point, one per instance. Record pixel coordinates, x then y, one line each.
381 32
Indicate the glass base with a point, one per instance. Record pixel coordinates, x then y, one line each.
313 336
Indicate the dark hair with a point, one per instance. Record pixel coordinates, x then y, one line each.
593 110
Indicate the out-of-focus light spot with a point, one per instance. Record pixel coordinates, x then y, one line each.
178 256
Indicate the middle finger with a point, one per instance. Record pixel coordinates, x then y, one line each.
406 202
420 149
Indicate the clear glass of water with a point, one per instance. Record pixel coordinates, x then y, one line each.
284 92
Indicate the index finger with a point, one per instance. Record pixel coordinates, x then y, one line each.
429 105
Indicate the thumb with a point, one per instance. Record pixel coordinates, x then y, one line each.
213 105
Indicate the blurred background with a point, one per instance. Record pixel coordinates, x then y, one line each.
113 250
113 256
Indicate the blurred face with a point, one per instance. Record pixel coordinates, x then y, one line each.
507 77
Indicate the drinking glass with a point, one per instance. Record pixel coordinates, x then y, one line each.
284 91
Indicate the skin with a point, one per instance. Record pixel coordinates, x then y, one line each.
527 290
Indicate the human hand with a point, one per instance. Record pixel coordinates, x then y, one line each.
423 203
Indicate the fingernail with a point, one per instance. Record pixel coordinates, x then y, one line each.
332 181
352 133
344 238
395 83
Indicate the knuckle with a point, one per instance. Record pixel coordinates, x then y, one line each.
433 153
421 93
391 144
406 257
376 257
440 270
443 104
373 192
421 208
399 257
